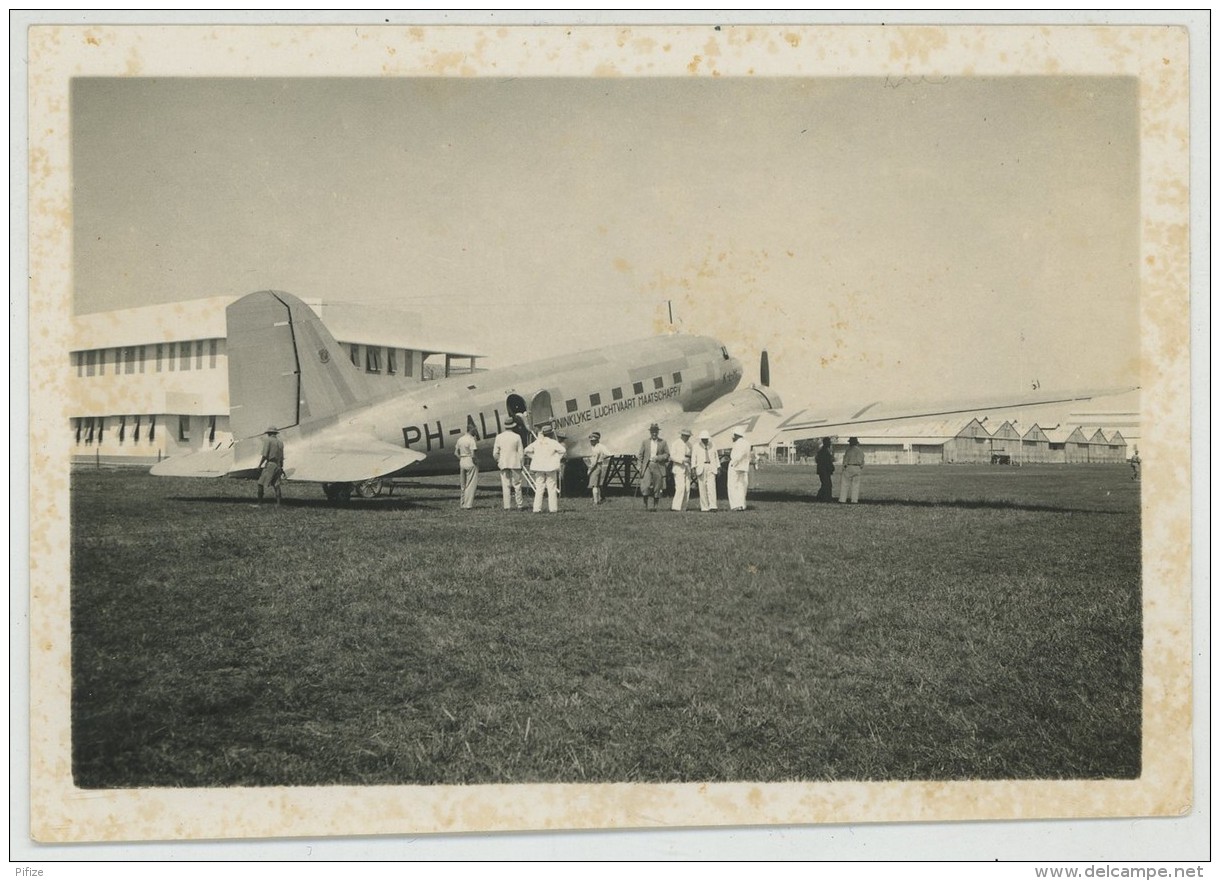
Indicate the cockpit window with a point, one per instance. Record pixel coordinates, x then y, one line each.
724 352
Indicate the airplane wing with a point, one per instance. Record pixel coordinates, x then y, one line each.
358 461
767 425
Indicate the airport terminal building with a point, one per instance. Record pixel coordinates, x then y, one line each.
152 382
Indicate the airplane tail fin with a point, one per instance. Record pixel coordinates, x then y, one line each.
285 369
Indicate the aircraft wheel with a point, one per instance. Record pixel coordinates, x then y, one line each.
369 489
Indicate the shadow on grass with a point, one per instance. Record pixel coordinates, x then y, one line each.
962 504
375 505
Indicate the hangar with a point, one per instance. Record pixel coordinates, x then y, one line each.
152 382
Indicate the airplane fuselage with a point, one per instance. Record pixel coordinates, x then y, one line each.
578 394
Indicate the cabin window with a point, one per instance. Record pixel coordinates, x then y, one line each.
213 346
78 422
184 428
160 355
638 388
184 356
90 362
142 356
122 428
101 428
391 361
199 354
355 355
408 363
171 349
129 359
89 433
677 377
372 359
135 435
152 428
212 430
101 362
571 405
616 394
657 382
595 399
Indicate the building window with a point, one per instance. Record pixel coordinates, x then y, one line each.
637 388
152 428
616 393
571 405
372 359
677 377
184 356
657 382
355 355
391 361
184 428
595 399
213 345
90 362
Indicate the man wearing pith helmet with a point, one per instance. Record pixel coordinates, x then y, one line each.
739 470
271 463
679 457
706 463
653 459
596 463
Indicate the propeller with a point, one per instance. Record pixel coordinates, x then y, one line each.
764 369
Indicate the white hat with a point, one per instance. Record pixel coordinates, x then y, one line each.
703 435
737 432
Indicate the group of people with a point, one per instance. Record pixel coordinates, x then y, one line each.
690 464
853 468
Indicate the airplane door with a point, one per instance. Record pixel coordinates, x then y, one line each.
540 410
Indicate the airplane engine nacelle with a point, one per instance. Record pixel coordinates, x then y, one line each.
743 403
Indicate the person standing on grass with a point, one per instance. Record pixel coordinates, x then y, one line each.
271 464
825 462
652 459
1135 464
596 463
508 452
706 463
469 469
739 470
853 467
545 456
679 456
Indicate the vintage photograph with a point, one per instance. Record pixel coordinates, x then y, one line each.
744 444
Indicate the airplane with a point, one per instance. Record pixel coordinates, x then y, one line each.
342 431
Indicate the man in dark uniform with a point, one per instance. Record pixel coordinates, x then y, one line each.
825 462
272 464
653 462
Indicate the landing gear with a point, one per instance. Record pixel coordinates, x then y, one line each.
369 489
338 493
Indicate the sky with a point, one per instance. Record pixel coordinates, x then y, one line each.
881 238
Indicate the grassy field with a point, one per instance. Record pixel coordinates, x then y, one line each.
961 622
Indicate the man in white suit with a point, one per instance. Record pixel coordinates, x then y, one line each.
679 460
706 463
507 451
739 471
